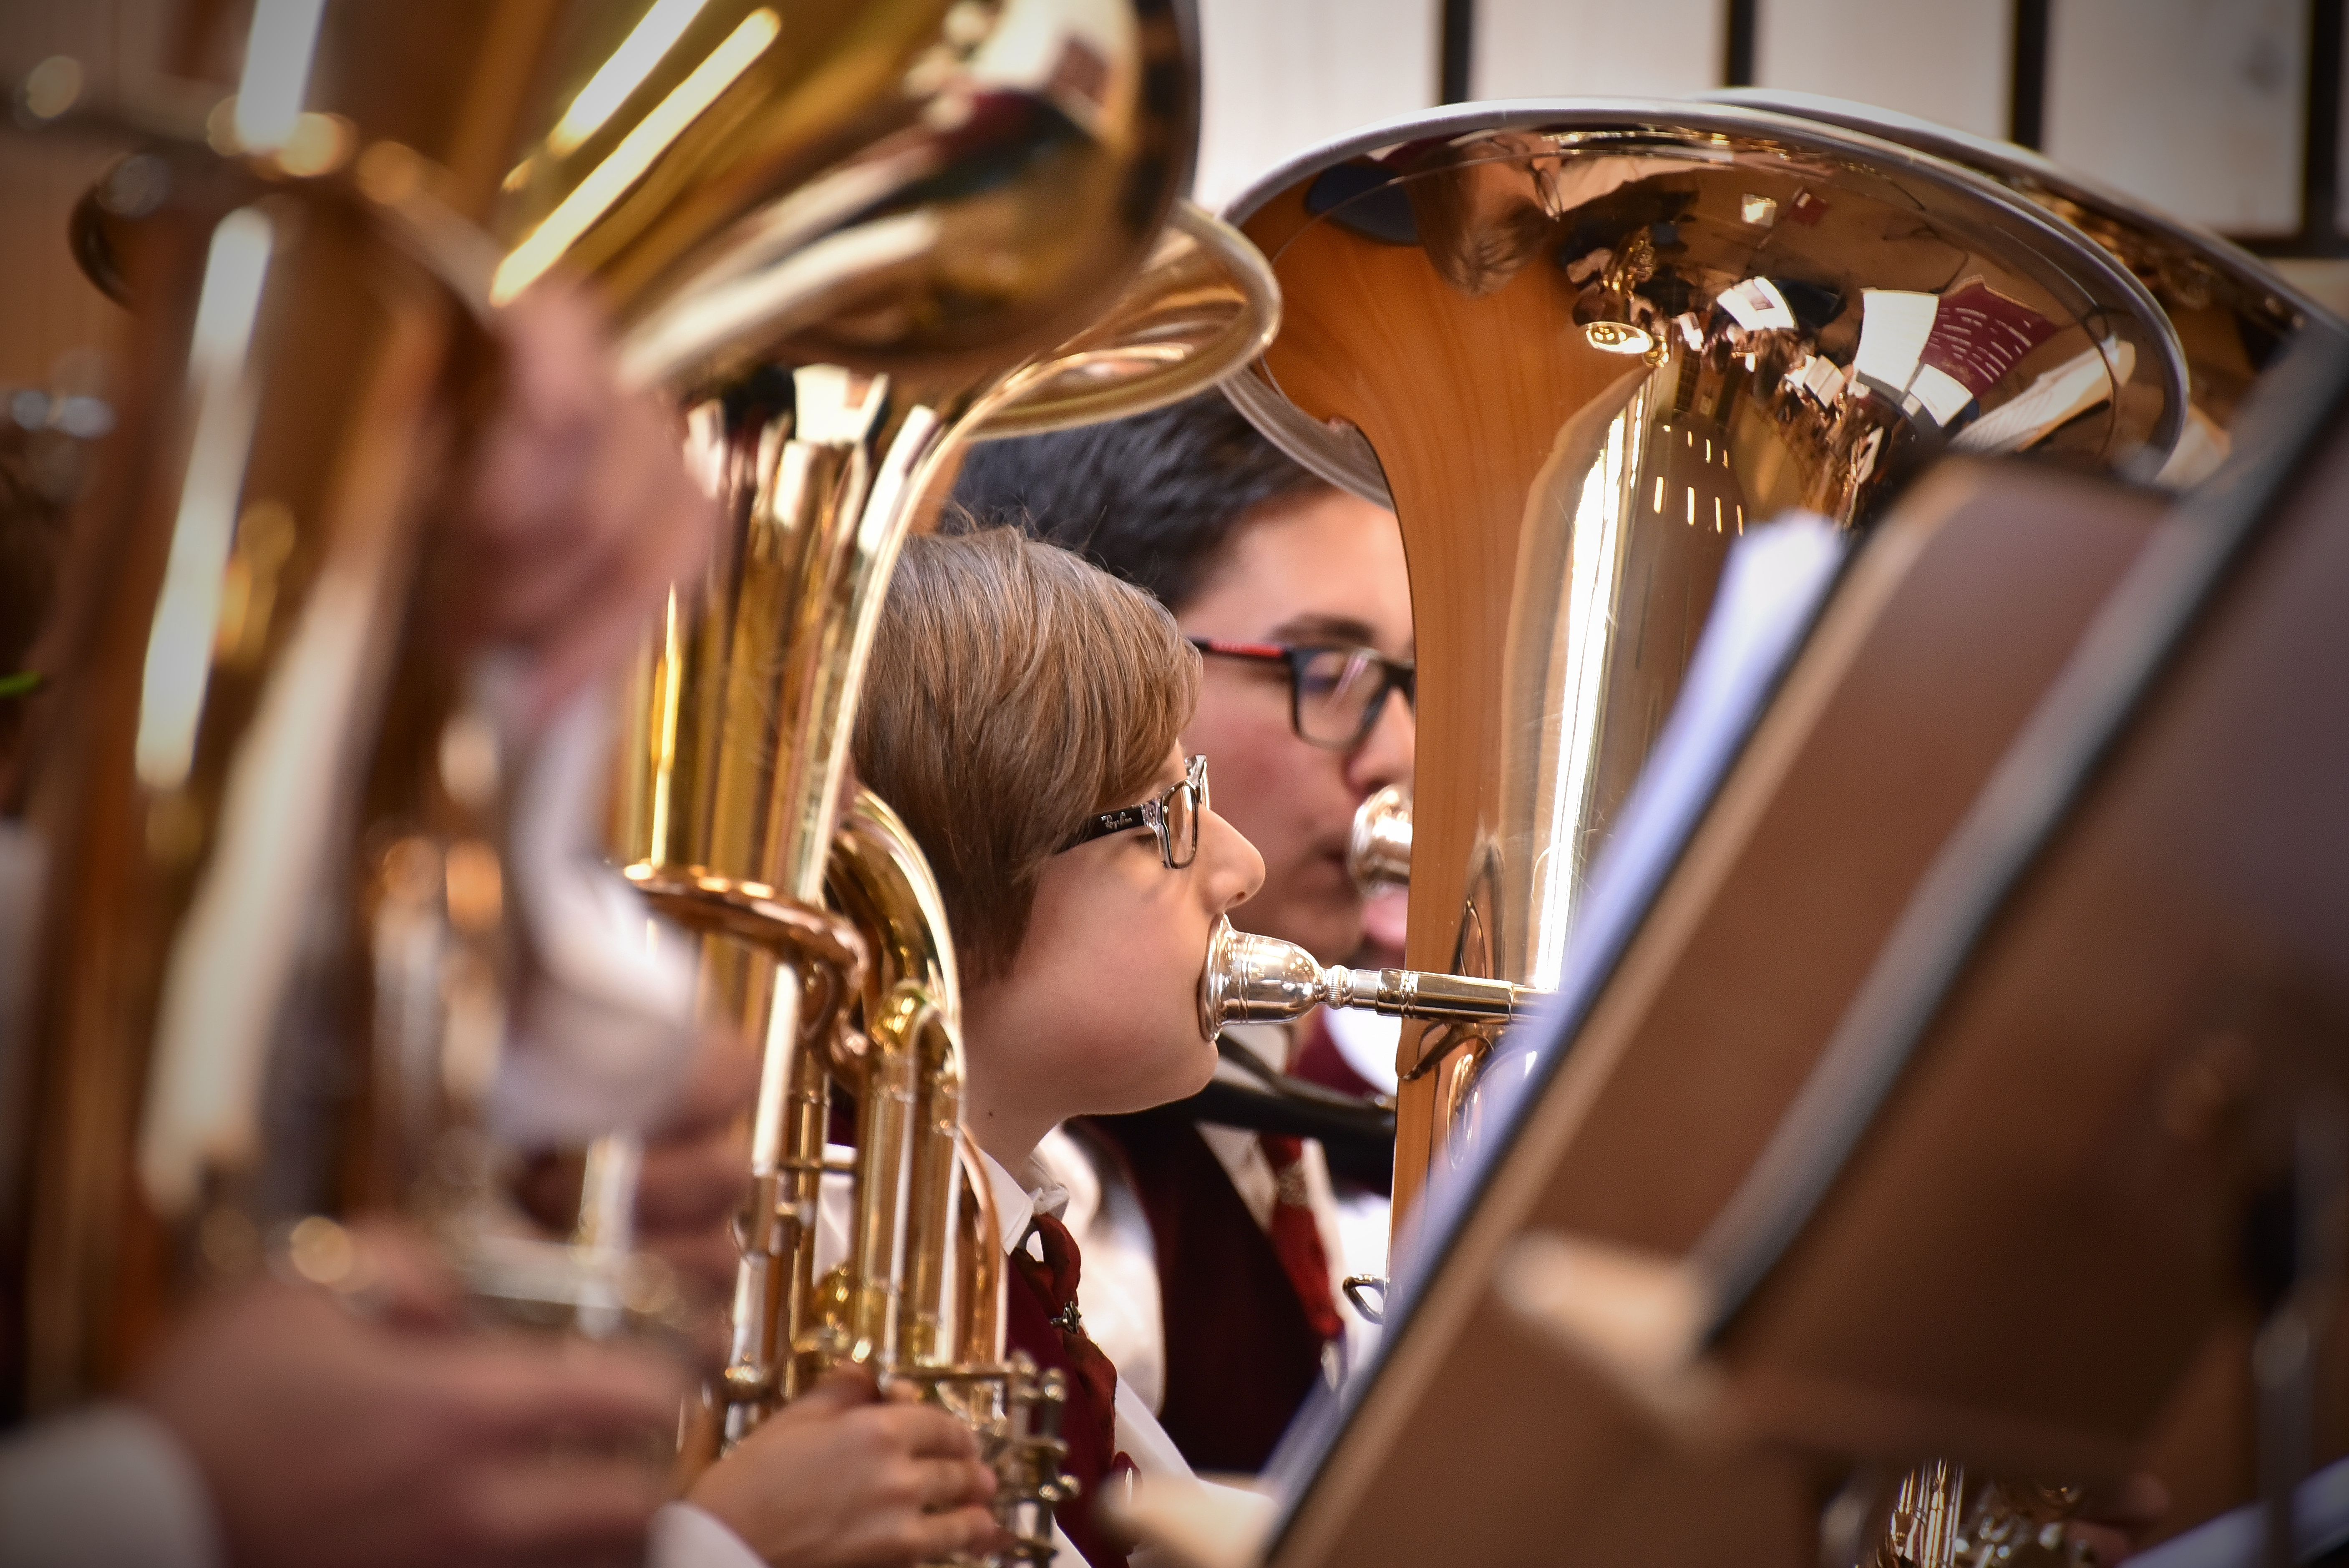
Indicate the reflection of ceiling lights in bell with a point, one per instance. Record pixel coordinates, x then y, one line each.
1618 338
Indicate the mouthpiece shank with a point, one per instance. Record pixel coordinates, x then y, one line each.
1416 994
1253 978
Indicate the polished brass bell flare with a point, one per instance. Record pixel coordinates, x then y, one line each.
1252 979
1579 346
1204 304
1378 846
2233 311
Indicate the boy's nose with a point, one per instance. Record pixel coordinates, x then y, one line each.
1237 870
1387 752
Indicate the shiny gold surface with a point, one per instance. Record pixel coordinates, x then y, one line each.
1540 332
2232 312
288 425
910 183
909 1139
1203 306
920 1295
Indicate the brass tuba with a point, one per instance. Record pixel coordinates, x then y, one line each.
892 298
1579 347
243 723
739 722
254 770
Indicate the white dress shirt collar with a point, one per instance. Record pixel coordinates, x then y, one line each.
1018 1201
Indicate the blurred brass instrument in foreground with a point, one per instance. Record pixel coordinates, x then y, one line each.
259 793
1579 347
280 963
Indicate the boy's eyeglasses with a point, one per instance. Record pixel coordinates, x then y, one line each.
1335 694
1174 817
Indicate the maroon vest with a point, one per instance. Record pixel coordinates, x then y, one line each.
1240 1355
1027 1326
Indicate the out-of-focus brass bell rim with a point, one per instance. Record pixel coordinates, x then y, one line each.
769 244
1037 403
1344 458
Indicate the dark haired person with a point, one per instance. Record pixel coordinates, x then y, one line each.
1215 1252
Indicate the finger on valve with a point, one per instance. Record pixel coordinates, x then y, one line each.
839 1476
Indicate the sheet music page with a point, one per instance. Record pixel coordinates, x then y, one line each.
1772 587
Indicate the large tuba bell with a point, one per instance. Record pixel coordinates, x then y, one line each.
1579 347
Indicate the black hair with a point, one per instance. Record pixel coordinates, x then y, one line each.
1152 499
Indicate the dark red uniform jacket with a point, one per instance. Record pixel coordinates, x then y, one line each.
1240 1355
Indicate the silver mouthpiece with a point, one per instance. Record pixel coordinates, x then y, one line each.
1377 850
1252 979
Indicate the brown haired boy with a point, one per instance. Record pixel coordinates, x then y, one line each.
1021 712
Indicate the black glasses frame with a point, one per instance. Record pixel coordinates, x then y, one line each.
1393 675
1158 816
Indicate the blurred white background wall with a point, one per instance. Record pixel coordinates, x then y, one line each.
2200 108
1549 48
2197 105
1943 60
1282 75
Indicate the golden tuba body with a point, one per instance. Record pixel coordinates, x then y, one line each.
820 938
241 721
839 250
1579 347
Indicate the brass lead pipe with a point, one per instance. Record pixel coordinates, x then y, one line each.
878 878
924 1337
1251 979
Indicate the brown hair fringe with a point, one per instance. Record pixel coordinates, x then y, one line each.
1014 691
